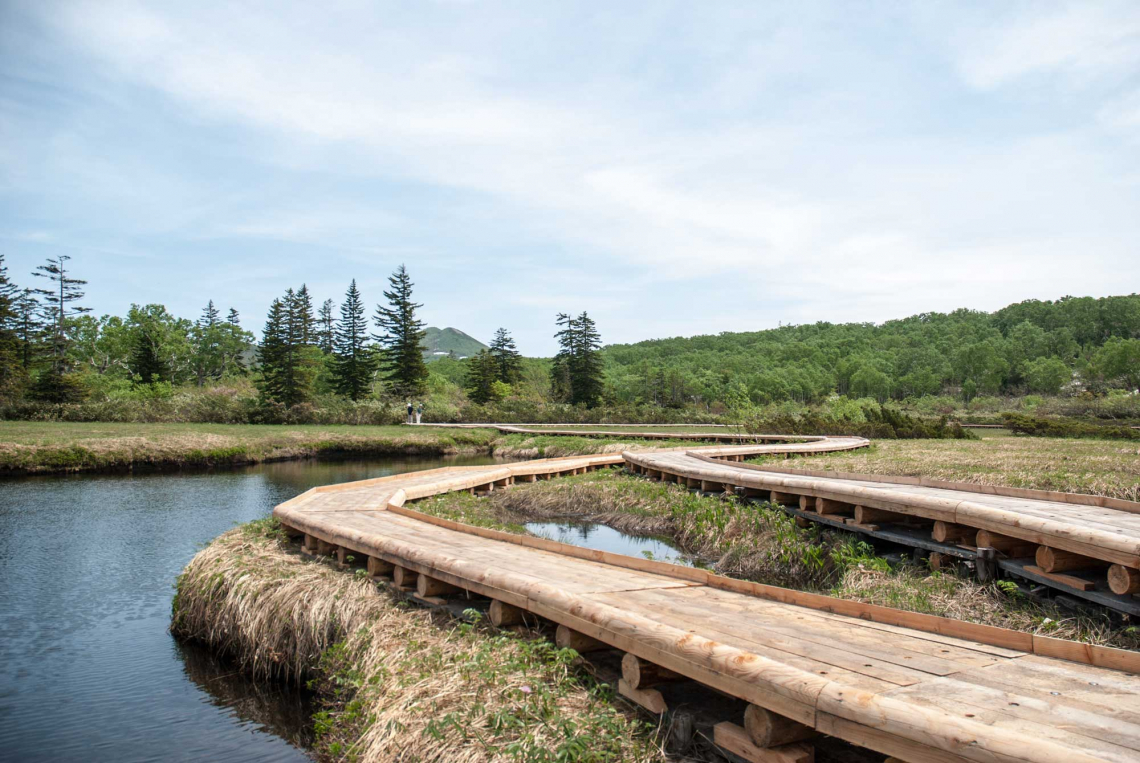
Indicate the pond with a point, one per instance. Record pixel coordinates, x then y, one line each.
604 538
88 670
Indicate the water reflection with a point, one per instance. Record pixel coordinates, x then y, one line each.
88 670
605 538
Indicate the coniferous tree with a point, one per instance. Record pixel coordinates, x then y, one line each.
325 326
58 306
11 371
271 353
238 342
482 373
401 356
29 328
210 316
507 357
147 364
306 320
354 362
576 373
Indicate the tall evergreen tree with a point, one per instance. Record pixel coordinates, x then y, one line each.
482 373
401 356
29 327
271 353
210 316
58 306
239 341
147 364
306 322
11 370
576 373
507 357
325 326
354 362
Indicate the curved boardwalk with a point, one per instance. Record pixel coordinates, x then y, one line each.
917 687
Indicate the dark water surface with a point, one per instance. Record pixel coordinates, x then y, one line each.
88 671
603 538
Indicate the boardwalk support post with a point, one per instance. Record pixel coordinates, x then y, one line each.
503 614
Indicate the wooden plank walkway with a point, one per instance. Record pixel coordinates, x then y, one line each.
916 687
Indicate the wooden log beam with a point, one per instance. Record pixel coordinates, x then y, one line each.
503 614
809 503
1123 580
828 507
379 568
567 638
325 548
1014 548
403 577
639 673
309 544
428 586
865 515
735 739
768 729
650 699
790 499
1056 560
948 532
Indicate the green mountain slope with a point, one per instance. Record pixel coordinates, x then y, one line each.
439 342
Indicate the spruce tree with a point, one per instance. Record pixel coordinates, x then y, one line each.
11 370
507 357
271 353
325 326
354 361
237 342
58 306
296 368
401 356
482 373
147 364
210 316
576 372
29 328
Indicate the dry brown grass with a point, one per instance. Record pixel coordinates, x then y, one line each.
1096 467
402 683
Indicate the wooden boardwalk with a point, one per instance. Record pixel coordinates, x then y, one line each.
916 687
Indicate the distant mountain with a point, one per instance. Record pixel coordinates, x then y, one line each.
439 342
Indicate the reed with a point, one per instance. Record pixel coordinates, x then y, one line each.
398 682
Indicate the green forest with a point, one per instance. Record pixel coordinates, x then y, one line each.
352 360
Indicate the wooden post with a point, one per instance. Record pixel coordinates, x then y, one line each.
503 614
985 565
428 586
567 638
1014 548
948 532
827 506
342 555
379 568
1056 560
1123 580
403 577
324 548
810 503
639 673
790 499
767 729
309 544
650 699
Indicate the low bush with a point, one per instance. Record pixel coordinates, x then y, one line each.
1048 427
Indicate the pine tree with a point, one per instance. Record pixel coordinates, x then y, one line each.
507 357
576 372
306 321
325 326
56 308
296 367
29 328
401 356
482 373
237 342
210 316
11 370
271 353
147 364
354 362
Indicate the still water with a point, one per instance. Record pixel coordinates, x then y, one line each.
88 671
603 538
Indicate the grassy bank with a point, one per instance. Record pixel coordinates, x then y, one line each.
45 447
398 682
763 544
1098 467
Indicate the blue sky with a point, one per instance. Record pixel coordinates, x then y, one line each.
673 168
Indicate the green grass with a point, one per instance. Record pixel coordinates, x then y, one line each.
762 543
1096 467
28 447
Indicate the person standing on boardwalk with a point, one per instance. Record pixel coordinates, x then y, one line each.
419 412
409 403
